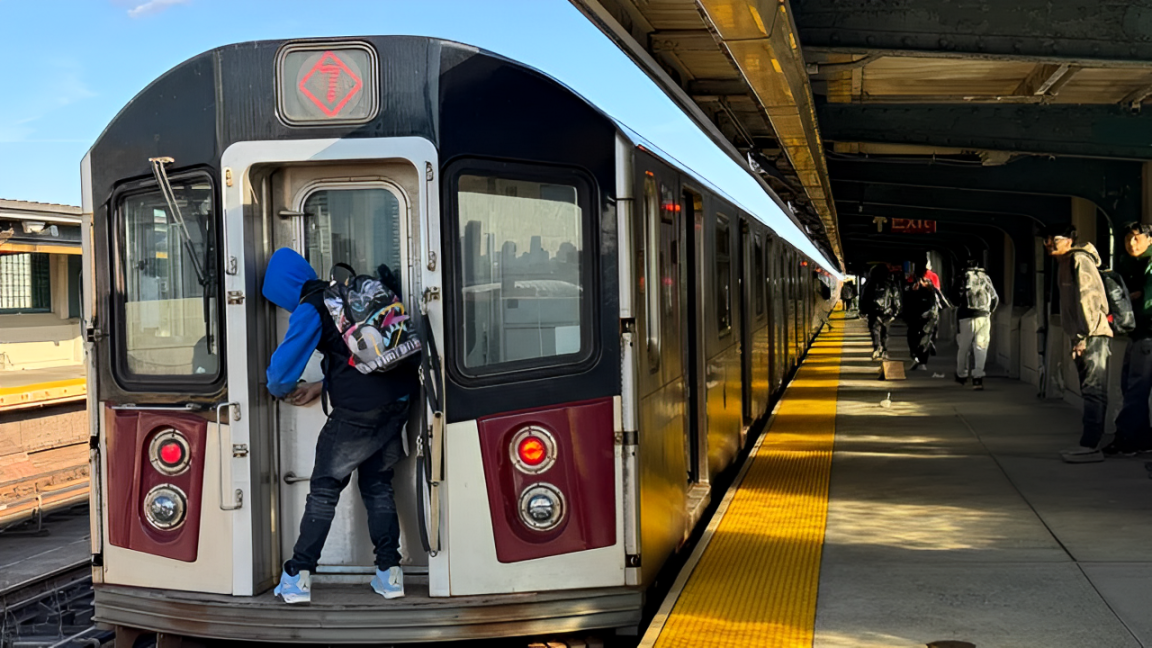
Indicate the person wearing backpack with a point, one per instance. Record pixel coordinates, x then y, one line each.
976 300
1133 435
922 304
363 431
1084 318
881 304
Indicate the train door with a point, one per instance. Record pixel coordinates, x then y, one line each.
747 354
357 216
694 286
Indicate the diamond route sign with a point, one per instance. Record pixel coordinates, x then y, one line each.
331 84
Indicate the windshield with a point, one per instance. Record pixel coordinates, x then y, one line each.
169 322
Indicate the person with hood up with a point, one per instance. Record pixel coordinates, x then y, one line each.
363 431
881 304
976 300
1084 318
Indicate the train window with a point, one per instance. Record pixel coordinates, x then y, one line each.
359 226
523 264
653 262
758 274
168 280
723 274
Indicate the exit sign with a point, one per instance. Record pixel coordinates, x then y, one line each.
913 226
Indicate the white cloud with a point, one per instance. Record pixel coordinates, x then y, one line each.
152 7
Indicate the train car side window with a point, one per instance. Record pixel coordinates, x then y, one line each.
168 286
653 254
523 269
723 274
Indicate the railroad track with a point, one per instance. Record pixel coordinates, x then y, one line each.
54 609
46 594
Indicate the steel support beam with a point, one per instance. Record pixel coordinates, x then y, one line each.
1113 185
623 23
1039 208
760 38
1091 31
1078 130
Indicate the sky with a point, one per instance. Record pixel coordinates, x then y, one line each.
72 64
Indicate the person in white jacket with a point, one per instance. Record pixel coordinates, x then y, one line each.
976 299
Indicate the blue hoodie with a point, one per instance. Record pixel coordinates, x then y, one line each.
283 281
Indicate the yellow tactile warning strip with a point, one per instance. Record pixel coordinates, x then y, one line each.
756 581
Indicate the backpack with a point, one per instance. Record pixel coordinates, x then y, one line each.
1121 317
977 291
1120 313
371 320
886 299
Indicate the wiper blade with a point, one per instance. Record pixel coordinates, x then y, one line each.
174 209
202 277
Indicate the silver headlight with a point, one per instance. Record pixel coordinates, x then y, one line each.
542 507
165 507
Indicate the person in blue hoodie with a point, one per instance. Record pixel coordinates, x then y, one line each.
363 432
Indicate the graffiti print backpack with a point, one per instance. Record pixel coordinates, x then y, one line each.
371 319
977 291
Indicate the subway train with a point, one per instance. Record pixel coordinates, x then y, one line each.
601 329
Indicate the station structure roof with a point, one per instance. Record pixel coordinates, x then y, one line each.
977 114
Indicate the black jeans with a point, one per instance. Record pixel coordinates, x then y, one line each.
878 327
1132 430
370 443
921 336
1092 367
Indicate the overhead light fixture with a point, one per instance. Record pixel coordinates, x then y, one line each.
33 227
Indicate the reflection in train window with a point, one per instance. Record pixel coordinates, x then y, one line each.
521 251
358 226
168 284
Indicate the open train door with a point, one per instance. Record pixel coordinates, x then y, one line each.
362 202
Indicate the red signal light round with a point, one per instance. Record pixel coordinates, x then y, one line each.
171 453
532 450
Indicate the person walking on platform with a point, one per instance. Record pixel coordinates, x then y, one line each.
881 304
848 295
922 314
976 300
1132 424
1084 318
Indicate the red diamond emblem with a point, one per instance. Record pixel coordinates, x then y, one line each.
330 84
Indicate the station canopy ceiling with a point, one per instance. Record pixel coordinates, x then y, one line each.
855 110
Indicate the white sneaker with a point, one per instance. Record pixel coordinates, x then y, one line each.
389 584
1081 454
295 589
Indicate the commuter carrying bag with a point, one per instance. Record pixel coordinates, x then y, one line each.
1120 313
371 319
977 291
1121 317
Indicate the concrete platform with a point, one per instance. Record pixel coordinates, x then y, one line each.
38 387
952 517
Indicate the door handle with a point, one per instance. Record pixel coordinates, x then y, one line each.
292 478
